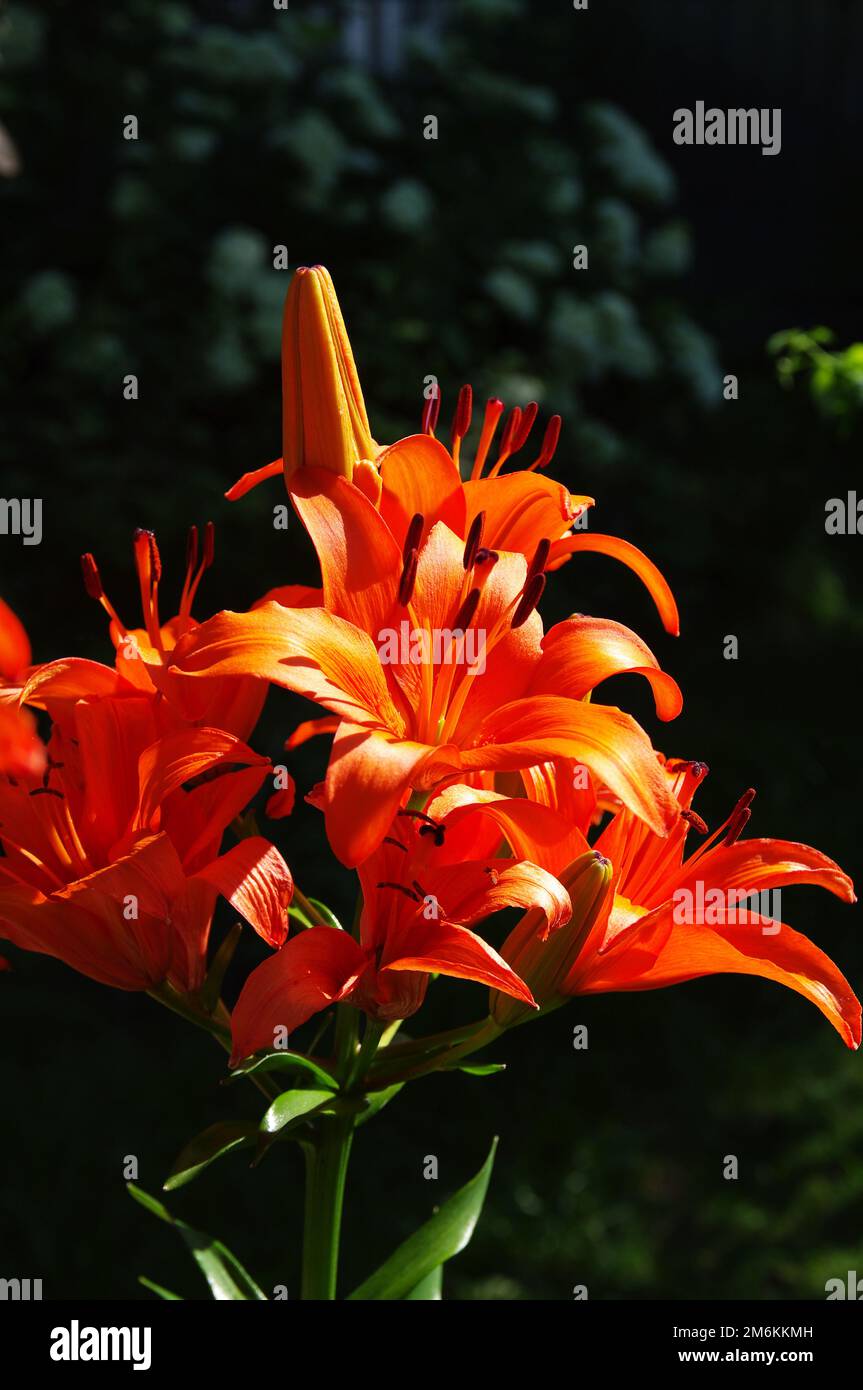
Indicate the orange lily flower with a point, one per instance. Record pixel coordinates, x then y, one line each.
423 888
325 426
415 716
22 752
144 658
111 860
655 929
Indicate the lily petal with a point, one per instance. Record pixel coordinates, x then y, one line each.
762 947
307 650
368 776
633 558
360 559
445 949
311 971
580 653
419 477
255 879
609 742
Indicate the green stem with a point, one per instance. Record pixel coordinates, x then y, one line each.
326 1170
327 1158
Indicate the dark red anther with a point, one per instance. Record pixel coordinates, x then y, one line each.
474 536
531 596
209 544
737 826
463 413
746 800
549 443
527 418
466 614
540 556
692 818
431 411
415 530
408 579
92 580
511 428
142 534
436 830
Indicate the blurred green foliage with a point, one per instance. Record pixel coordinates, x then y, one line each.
835 379
452 257
258 133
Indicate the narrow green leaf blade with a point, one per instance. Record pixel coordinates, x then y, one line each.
328 915
442 1236
159 1291
376 1100
223 1272
205 1148
283 1061
477 1068
290 1105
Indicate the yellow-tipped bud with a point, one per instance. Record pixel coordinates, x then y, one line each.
545 965
324 421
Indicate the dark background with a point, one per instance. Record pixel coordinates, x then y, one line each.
453 257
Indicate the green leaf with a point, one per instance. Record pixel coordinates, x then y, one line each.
442 1236
223 1272
430 1288
290 1105
477 1068
207 1146
159 1290
376 1100
281 1060
329 916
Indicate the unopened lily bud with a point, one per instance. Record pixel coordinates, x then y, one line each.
545 964
324 420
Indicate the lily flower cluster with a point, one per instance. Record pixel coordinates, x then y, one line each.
456 788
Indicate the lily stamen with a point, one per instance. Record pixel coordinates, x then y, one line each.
540 557
531 595
409 577
461 420
549 444
472 544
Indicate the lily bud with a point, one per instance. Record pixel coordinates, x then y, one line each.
545 964
324 420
